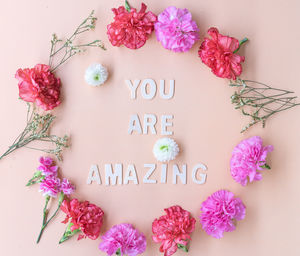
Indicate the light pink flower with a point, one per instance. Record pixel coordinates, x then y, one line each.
123 238
249 157
219 213
66 187
176 30
50 186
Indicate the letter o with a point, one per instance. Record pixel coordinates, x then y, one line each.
152 92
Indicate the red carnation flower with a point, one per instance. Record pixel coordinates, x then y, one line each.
173 230
131 28
39 85
83 216
218 54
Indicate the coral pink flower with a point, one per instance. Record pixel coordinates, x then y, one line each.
39 85
84 216
176 30
66 187
249 157
123 239
131 28
47 168
50 186
173 229
219 213
217 53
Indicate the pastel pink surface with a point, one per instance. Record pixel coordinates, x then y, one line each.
206 126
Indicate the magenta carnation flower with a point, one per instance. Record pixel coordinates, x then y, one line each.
50 186
123 239
47 166
67 187
176 30
46 161
249 157
219 213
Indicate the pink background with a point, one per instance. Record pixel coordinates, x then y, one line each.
205 125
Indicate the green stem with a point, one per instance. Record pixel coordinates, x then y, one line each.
16 143
244 40
10 149
127 6
37 177
61 198
45 212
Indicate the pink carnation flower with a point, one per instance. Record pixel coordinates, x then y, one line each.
47 168
39 85
249 157
50 186
219 213
173 229
46 161
124 240
176 30
66 187
131 28
84 216
218 53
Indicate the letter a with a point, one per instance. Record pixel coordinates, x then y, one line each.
94 175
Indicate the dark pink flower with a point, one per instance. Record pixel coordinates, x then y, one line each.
217 53
173 229
39 85
84 216
46 161
50 186
67 187
219 213
131 28
47 167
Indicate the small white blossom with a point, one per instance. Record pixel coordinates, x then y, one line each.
96 74
165 149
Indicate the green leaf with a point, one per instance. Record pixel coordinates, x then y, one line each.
182 247
118 252
266 166
127 6
68 233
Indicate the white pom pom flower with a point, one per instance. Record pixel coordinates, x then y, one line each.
165 149
96 74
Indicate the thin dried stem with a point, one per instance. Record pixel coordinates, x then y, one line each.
260 101
37 129
68 49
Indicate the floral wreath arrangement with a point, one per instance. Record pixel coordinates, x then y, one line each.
176 31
